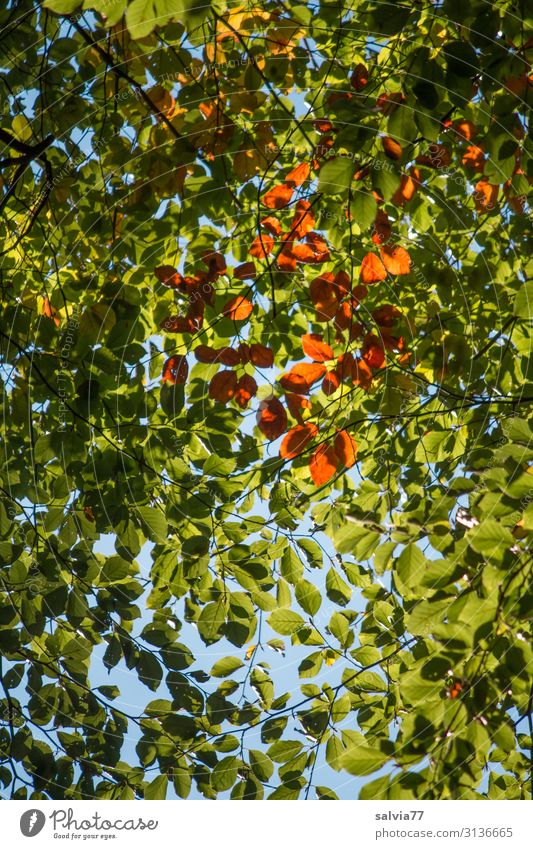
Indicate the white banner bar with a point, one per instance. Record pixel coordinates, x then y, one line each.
267 825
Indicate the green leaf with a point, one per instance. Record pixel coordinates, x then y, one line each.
362 760
157 789
308 597
285 621
335 176
226 666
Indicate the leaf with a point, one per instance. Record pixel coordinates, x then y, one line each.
362 760
323 464
345 448
157 789
315 348
523 302
285 621
175 370
272 418
238 309
308 597
278 197
372 269
337 589
141 18
296 440
225 666
395 259
154 523
222 386
302 376
363 208
298 175
335 176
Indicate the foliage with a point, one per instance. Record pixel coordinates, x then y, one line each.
266 326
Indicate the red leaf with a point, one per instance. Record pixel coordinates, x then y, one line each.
278 197
168 276
302 376
238 309
395 259
229 357
262 246
175 369
323 464
382 228
298 175
261 356
246 388
359 77
296 440
323 294
222 386
465 129
315 348
386 315
373 351
178 324
272 418
372 269
474 157
345 448
245 271
215 262
205 354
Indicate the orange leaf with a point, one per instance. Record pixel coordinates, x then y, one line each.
245 271
465 129
323 464
272 225
295 403
215 262
372 269
395 259
322 126
485 196
407 188
474 157
391 147
168 276
345 448
175 370
261 246
261 356
50 312
302 376
222 386
303 220
343 316
296 440
272 418
437 157
330 383
286 259
361 374
298 175
238 309
246 388
315 348
278 197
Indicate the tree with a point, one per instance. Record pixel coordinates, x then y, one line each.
267 397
